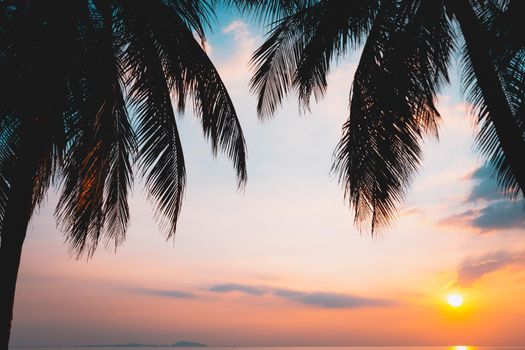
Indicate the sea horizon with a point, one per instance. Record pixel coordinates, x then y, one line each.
353 347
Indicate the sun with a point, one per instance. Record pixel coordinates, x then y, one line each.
455 300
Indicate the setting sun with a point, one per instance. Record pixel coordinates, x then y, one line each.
455 300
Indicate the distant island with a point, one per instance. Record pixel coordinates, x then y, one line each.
179 344
189 344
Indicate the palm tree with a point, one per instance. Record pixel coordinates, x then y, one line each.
408 47
72 73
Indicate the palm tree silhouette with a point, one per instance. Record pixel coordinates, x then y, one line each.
408 47
72 71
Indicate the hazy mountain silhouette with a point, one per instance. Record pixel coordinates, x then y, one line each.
182 343
185 343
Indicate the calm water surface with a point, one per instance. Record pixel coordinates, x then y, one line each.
462 347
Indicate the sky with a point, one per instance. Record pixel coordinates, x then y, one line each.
280 262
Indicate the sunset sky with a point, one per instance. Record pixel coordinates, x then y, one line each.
280 263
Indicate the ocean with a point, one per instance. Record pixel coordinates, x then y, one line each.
138 347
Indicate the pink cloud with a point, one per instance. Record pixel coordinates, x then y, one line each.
472 270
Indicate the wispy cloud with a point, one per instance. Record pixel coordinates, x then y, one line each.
473 269
236 69
493 216
232 287
500 215
493 211
485 187
318 299
177 294
331 300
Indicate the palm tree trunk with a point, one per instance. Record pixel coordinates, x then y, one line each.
18 213
508 131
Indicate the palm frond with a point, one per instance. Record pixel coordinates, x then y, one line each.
160 151
82 68
11 13
299 50
196 15
275 63
402 66
191 74
34 65
265 11
342 25
493 83
97 174
9 126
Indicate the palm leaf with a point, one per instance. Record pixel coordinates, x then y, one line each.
191 74
506 61
97 175
8 145
266 11
342 25
299 50
160 151
402 66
